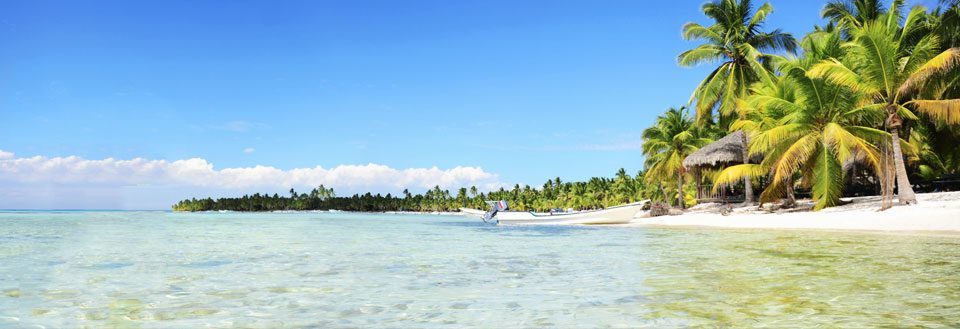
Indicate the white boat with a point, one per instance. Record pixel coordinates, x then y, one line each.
613 215
470 212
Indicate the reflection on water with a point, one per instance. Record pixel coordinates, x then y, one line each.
153 269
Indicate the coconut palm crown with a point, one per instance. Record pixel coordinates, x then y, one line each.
672 138
885 62
736 41
808 127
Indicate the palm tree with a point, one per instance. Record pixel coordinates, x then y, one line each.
462 196
849 15
623 187
672 138
946 23
736 41
890 66
810 127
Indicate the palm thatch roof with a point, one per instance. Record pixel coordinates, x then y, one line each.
728 149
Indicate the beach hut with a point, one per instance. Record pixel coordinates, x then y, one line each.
727 151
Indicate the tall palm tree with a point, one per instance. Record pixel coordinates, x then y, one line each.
810 127
736 41
886 62
672 138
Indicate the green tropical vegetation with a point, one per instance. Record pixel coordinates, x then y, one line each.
806 129
674 136
868 101
597 192
870 98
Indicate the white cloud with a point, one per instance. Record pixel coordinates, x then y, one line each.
249 150
19 176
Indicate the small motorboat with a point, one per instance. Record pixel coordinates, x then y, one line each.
613 215
470 212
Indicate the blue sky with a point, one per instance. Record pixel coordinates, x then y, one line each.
525 90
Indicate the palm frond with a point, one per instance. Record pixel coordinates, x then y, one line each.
871 135
734 174
835 72
840 12
787 133
798 153
874 44
752 58
867 113
773 40
906 113
944 62
707 94
705 53
760 15
842 143
947 110
827 184
775 190
694 31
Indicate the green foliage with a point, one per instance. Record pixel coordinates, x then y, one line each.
598 192
671 139
737 42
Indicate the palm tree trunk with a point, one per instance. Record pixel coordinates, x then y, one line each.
904 189
747 181
791 199
680 189
883 178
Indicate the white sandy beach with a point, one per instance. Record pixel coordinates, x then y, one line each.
936 212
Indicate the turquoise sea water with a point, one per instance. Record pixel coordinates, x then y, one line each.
156 269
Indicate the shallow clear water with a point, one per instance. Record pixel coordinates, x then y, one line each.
155 269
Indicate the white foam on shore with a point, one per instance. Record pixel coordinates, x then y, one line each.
935 212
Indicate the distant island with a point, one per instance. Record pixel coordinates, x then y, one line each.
597 192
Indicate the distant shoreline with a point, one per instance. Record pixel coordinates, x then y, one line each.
330 211
936 214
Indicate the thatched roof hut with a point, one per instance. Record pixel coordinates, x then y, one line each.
728 149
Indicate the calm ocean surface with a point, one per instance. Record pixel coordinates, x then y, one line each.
156 269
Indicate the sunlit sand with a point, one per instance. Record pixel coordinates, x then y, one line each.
935 212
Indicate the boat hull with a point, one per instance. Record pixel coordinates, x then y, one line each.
613 215
472 212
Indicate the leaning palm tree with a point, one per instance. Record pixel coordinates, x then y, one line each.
736 41
811 128
672 138
886 63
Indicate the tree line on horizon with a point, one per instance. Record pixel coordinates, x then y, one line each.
595 193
